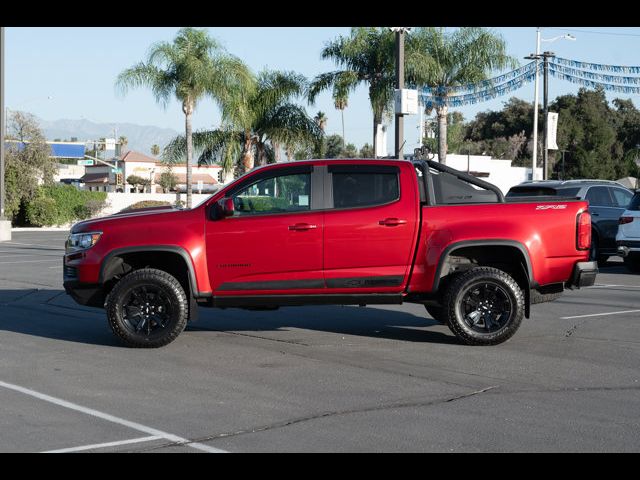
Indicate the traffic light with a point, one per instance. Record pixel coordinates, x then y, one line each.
119 179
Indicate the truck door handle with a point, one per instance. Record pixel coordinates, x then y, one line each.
595 214
392 222
302 226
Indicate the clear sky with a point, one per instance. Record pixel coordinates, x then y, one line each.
77 67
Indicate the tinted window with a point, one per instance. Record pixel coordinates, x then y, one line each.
364 189
286 193
621 198
599 196
568 192
531 191
635 202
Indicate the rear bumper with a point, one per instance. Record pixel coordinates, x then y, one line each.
627 246
584 275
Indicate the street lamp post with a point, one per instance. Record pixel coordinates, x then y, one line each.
399 136
5 225
536 57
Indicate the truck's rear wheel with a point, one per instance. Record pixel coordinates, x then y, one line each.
148 308
484 306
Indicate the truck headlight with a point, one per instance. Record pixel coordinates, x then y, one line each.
82 241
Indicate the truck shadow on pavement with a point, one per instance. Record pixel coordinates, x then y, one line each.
55 316
375 323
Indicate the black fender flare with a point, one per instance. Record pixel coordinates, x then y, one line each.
107 263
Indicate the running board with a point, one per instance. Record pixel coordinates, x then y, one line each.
242 301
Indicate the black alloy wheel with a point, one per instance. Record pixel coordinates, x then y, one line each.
148 308
484 306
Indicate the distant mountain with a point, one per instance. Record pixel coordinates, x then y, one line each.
140 137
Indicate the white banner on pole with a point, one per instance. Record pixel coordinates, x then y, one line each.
552 130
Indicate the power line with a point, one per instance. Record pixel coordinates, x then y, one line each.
595 32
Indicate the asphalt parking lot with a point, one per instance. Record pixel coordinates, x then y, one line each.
329 379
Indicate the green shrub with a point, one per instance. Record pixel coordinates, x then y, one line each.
42 211
65 204
145 204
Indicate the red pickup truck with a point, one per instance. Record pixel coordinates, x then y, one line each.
318 232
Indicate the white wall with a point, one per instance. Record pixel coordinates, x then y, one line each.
501 173
119 201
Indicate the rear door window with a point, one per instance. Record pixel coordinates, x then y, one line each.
364 187
599 197
621 197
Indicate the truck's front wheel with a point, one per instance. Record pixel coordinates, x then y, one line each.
484 306
148 308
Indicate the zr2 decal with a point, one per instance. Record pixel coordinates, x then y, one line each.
551 207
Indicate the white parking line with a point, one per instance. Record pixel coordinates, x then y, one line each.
111 418
104 445
31 261
34 245
599 314
609 286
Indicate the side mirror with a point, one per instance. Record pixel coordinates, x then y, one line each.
228 208
222 208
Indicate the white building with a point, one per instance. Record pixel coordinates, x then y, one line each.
103 178
493 170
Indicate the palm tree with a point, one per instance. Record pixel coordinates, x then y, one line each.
366 56
253 122
191 67
123 141
444 60
341 102
155 150
321 121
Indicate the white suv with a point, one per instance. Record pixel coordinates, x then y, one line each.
628 236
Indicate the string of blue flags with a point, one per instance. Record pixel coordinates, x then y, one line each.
581 73
596 66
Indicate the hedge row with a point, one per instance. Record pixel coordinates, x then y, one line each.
62 204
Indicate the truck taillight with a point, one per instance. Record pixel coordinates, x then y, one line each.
624 220
584 231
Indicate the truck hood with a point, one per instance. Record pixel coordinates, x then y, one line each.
97 223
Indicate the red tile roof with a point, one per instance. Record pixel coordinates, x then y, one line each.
133 156
95 178
195 178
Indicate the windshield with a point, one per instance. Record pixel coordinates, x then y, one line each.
635 202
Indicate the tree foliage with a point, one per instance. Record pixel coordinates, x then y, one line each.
599 140
27 162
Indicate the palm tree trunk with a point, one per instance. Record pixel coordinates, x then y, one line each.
188 111
276 150
247 154
442 133
377 120
343 139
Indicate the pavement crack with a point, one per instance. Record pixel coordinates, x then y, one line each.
335 413
34 290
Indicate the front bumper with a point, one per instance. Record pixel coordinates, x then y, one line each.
584 275
91 295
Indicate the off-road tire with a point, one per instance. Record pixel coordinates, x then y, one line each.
594 252
437 313
477 277
157 279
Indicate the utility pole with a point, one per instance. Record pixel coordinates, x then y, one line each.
534 161
399 85
545 158
5 225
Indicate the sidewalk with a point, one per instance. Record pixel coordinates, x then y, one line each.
40 229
